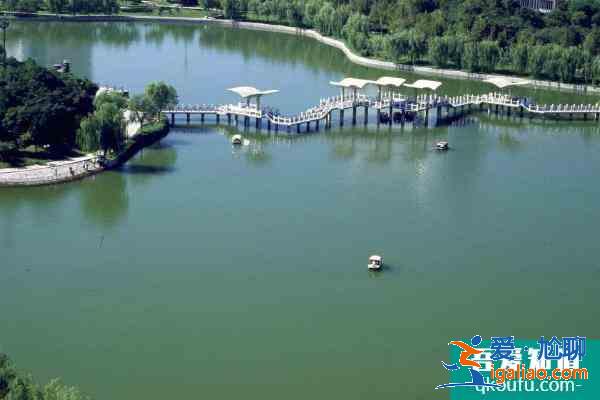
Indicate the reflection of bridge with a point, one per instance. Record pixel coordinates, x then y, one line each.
388 104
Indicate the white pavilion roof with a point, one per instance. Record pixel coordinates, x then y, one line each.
424 84
352 83
502 82
249 91
390 81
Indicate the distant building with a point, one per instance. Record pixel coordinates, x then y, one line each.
544 6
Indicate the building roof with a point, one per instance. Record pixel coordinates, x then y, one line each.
502 82
249 91
390 81
352 83
424 84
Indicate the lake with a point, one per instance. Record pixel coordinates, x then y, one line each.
202 271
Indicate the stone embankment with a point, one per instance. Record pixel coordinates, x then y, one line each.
52 172
77 168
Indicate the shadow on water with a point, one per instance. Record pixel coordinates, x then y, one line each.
158 159
104 200
386 269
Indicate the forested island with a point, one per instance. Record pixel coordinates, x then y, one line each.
472 35
50 115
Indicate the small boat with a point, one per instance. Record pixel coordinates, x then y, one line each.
441 146
236 140
375 262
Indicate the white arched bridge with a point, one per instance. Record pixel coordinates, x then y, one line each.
389 104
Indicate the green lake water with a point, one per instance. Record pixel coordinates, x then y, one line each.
202 271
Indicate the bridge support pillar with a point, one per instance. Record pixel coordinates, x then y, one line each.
246 121
427 116
297 128
229 119
342 117
521 111
276 127
391 113
366 115
236 120
585 116
307 126
317 124
258 123
353 115
268 124
187 117
172 119
218 118
496 108
438 113
378 116
202 117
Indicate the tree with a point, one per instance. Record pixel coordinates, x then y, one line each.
231 8
472 57
16 385
294 13
57 6
569 59
489 54
356 31
326 21
161 96
520 57
311 10
102 130
110 120
596 69
537 60
42 108
111 97
438 51
142 109
398 46
88 138
417 46
456 50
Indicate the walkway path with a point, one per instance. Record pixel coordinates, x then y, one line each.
405 106
355 58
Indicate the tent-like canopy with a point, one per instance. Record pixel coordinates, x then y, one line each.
390 81
503 82
424 84
249 91
352 83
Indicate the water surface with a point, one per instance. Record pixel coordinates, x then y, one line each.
199 270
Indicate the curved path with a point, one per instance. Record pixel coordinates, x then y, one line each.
355 58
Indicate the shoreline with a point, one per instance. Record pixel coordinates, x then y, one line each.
329 41
68 170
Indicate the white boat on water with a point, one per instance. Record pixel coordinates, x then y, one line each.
236 140
441 145
375 262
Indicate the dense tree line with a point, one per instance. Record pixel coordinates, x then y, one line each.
16 385
105 128
59 113
63 6
475 35
41 107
